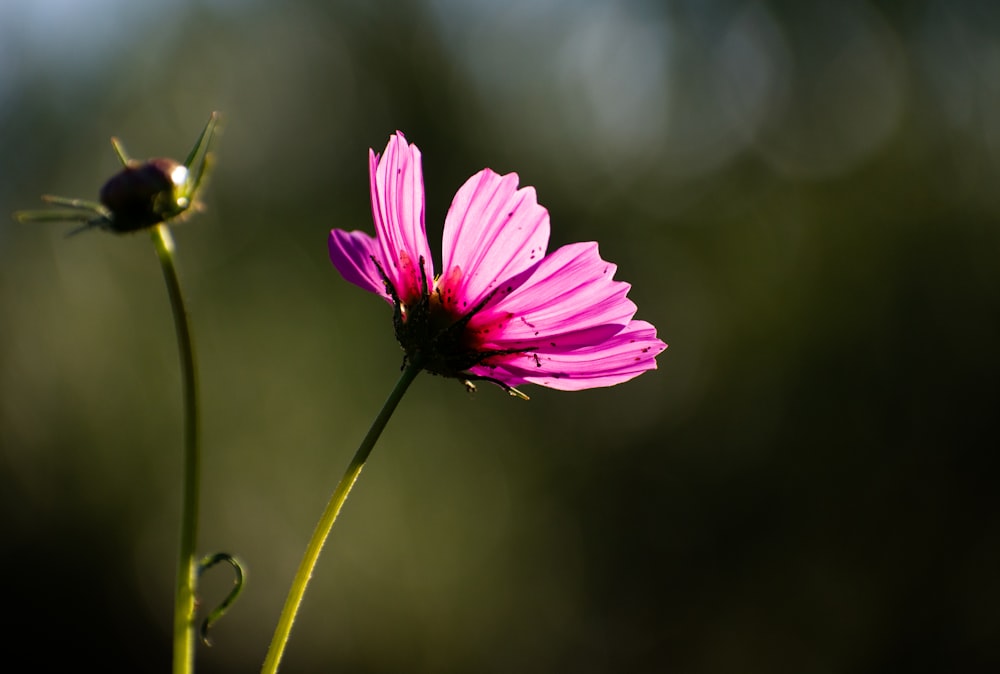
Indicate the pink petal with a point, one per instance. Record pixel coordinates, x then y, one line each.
493 231
397 191
351 253
613 361
567 301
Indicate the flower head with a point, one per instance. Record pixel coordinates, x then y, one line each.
501 309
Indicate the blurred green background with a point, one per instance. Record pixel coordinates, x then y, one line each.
803 195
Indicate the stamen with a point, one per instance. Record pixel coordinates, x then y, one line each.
391 289
506 387
397 306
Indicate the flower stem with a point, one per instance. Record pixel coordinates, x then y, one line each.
329 516
187 571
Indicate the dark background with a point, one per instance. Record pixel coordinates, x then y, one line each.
805 197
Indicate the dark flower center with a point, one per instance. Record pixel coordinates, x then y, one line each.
437 335
434 333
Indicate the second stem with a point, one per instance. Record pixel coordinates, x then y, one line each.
187 571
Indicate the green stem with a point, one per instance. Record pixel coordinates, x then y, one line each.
322 531
187 570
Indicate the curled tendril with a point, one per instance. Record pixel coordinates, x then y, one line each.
240 578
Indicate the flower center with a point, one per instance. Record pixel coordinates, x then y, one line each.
435 332
432 329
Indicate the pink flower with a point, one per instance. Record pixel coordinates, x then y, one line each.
501 310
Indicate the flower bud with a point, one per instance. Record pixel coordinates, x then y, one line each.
144 194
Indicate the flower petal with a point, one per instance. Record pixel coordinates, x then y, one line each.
567 301
352 253
613 361
493 231
397 191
